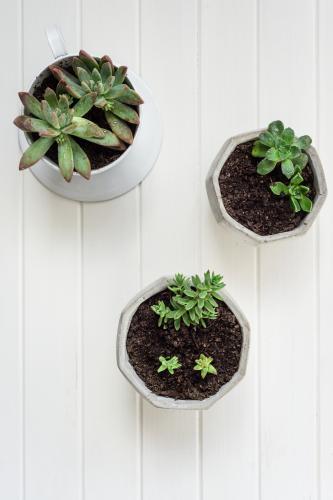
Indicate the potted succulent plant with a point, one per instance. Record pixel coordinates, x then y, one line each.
181 343
267 184
88 119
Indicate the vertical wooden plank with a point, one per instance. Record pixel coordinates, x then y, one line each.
228 107
325 263
11 474
170 209
52 278
288 287
111 278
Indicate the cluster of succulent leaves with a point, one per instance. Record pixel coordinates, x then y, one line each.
203 364
279 146
55 120
296 192
113 95
193 301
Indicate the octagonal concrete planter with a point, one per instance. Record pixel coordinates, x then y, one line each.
129 372
216 200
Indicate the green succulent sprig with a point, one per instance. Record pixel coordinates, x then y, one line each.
296 191
279 145
170 364
193 301
204 365
114 96
54 120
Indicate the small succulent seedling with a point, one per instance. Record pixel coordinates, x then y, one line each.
54 120
193 300
170 364
114 96
296 192
279 145
204 365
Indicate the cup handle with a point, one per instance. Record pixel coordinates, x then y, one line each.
56 41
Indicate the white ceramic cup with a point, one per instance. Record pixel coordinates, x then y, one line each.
124 173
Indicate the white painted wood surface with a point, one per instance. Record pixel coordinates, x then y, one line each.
71 427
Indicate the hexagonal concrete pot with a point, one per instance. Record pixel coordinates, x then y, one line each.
131 375
216 201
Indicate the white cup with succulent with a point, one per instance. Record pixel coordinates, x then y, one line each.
90 129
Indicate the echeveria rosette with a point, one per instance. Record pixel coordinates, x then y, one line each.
297 193
114 96
279 145
54 120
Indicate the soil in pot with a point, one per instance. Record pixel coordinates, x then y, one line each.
247 196
99 156
222 340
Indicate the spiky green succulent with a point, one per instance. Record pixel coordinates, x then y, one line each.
114 96
204 366
54 120
193 301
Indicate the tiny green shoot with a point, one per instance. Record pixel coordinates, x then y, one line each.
170 364
204 365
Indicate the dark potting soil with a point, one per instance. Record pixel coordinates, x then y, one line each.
99 156
222 340
247 196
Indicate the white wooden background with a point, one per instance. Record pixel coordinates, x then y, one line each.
71 428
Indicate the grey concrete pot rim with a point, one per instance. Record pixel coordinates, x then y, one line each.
218 205
128 371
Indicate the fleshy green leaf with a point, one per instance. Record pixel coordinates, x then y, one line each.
264 167
288 135
273 155
88 60
306 204
31 104
81 160
36 151
51 97
109 140
50 115
288 168
297 179
119 127
84 104
29 124
294 204
267 138
276 127
129 96
120 75
259 150
71 83
65 158
81 127
125 112
278 188
304 142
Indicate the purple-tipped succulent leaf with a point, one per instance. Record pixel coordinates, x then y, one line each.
110 140
65 158
88 60
35 152
125 112
119 127
81 160
31 104
30 124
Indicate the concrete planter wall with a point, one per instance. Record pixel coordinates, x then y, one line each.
216 200
129 372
